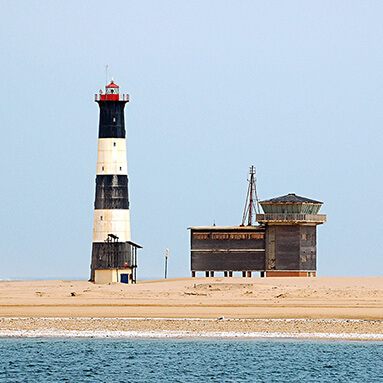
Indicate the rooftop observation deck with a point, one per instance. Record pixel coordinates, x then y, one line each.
111 97
291 218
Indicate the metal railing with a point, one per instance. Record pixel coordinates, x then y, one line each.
280 217
111 97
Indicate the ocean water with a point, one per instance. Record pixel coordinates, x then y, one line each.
188 360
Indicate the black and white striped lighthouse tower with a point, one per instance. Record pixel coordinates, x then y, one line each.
114 255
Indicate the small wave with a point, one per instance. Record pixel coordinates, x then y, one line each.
183 334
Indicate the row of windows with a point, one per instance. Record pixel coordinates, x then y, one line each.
305 208
228 236
307 237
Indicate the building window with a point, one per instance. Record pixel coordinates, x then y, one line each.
101 218
120 168
200 236
114 119
304 237
114 144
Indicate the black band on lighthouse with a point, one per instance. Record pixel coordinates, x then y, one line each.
112 123
111 192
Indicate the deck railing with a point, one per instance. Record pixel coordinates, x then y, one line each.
111 97
291 217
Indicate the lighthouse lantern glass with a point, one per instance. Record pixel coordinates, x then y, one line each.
112 90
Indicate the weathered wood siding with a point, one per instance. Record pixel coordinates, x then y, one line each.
228 261
273 248
112 255
308 248
270 248
291 247
228 250
287 247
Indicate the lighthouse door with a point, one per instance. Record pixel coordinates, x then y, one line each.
124 278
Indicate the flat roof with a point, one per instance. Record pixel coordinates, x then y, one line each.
239 228
135 244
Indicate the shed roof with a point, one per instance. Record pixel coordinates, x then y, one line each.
134 244
290 198
228 228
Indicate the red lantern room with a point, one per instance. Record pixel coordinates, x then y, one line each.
112 93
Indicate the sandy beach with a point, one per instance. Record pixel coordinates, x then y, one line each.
350 308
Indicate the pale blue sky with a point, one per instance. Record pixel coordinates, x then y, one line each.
293 87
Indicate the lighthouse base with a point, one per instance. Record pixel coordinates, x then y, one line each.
106 276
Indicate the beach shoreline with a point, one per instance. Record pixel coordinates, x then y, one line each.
191 328
333 308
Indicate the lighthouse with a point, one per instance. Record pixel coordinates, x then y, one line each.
114 255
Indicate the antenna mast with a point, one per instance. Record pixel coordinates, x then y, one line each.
106 75
252 202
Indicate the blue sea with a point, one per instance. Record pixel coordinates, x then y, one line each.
188 360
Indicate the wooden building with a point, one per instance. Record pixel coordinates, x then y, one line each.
291 240
283 244
227 249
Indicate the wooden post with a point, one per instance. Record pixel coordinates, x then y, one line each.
166 263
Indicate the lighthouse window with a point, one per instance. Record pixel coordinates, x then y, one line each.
101 218
120 168
114 119
114 144
102 168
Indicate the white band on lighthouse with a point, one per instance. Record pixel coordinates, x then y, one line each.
111 157
111 221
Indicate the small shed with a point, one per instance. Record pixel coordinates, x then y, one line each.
114 261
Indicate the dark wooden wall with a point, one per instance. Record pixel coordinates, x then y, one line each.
291 247
228 250
274 247
112 255
308 242
287 242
